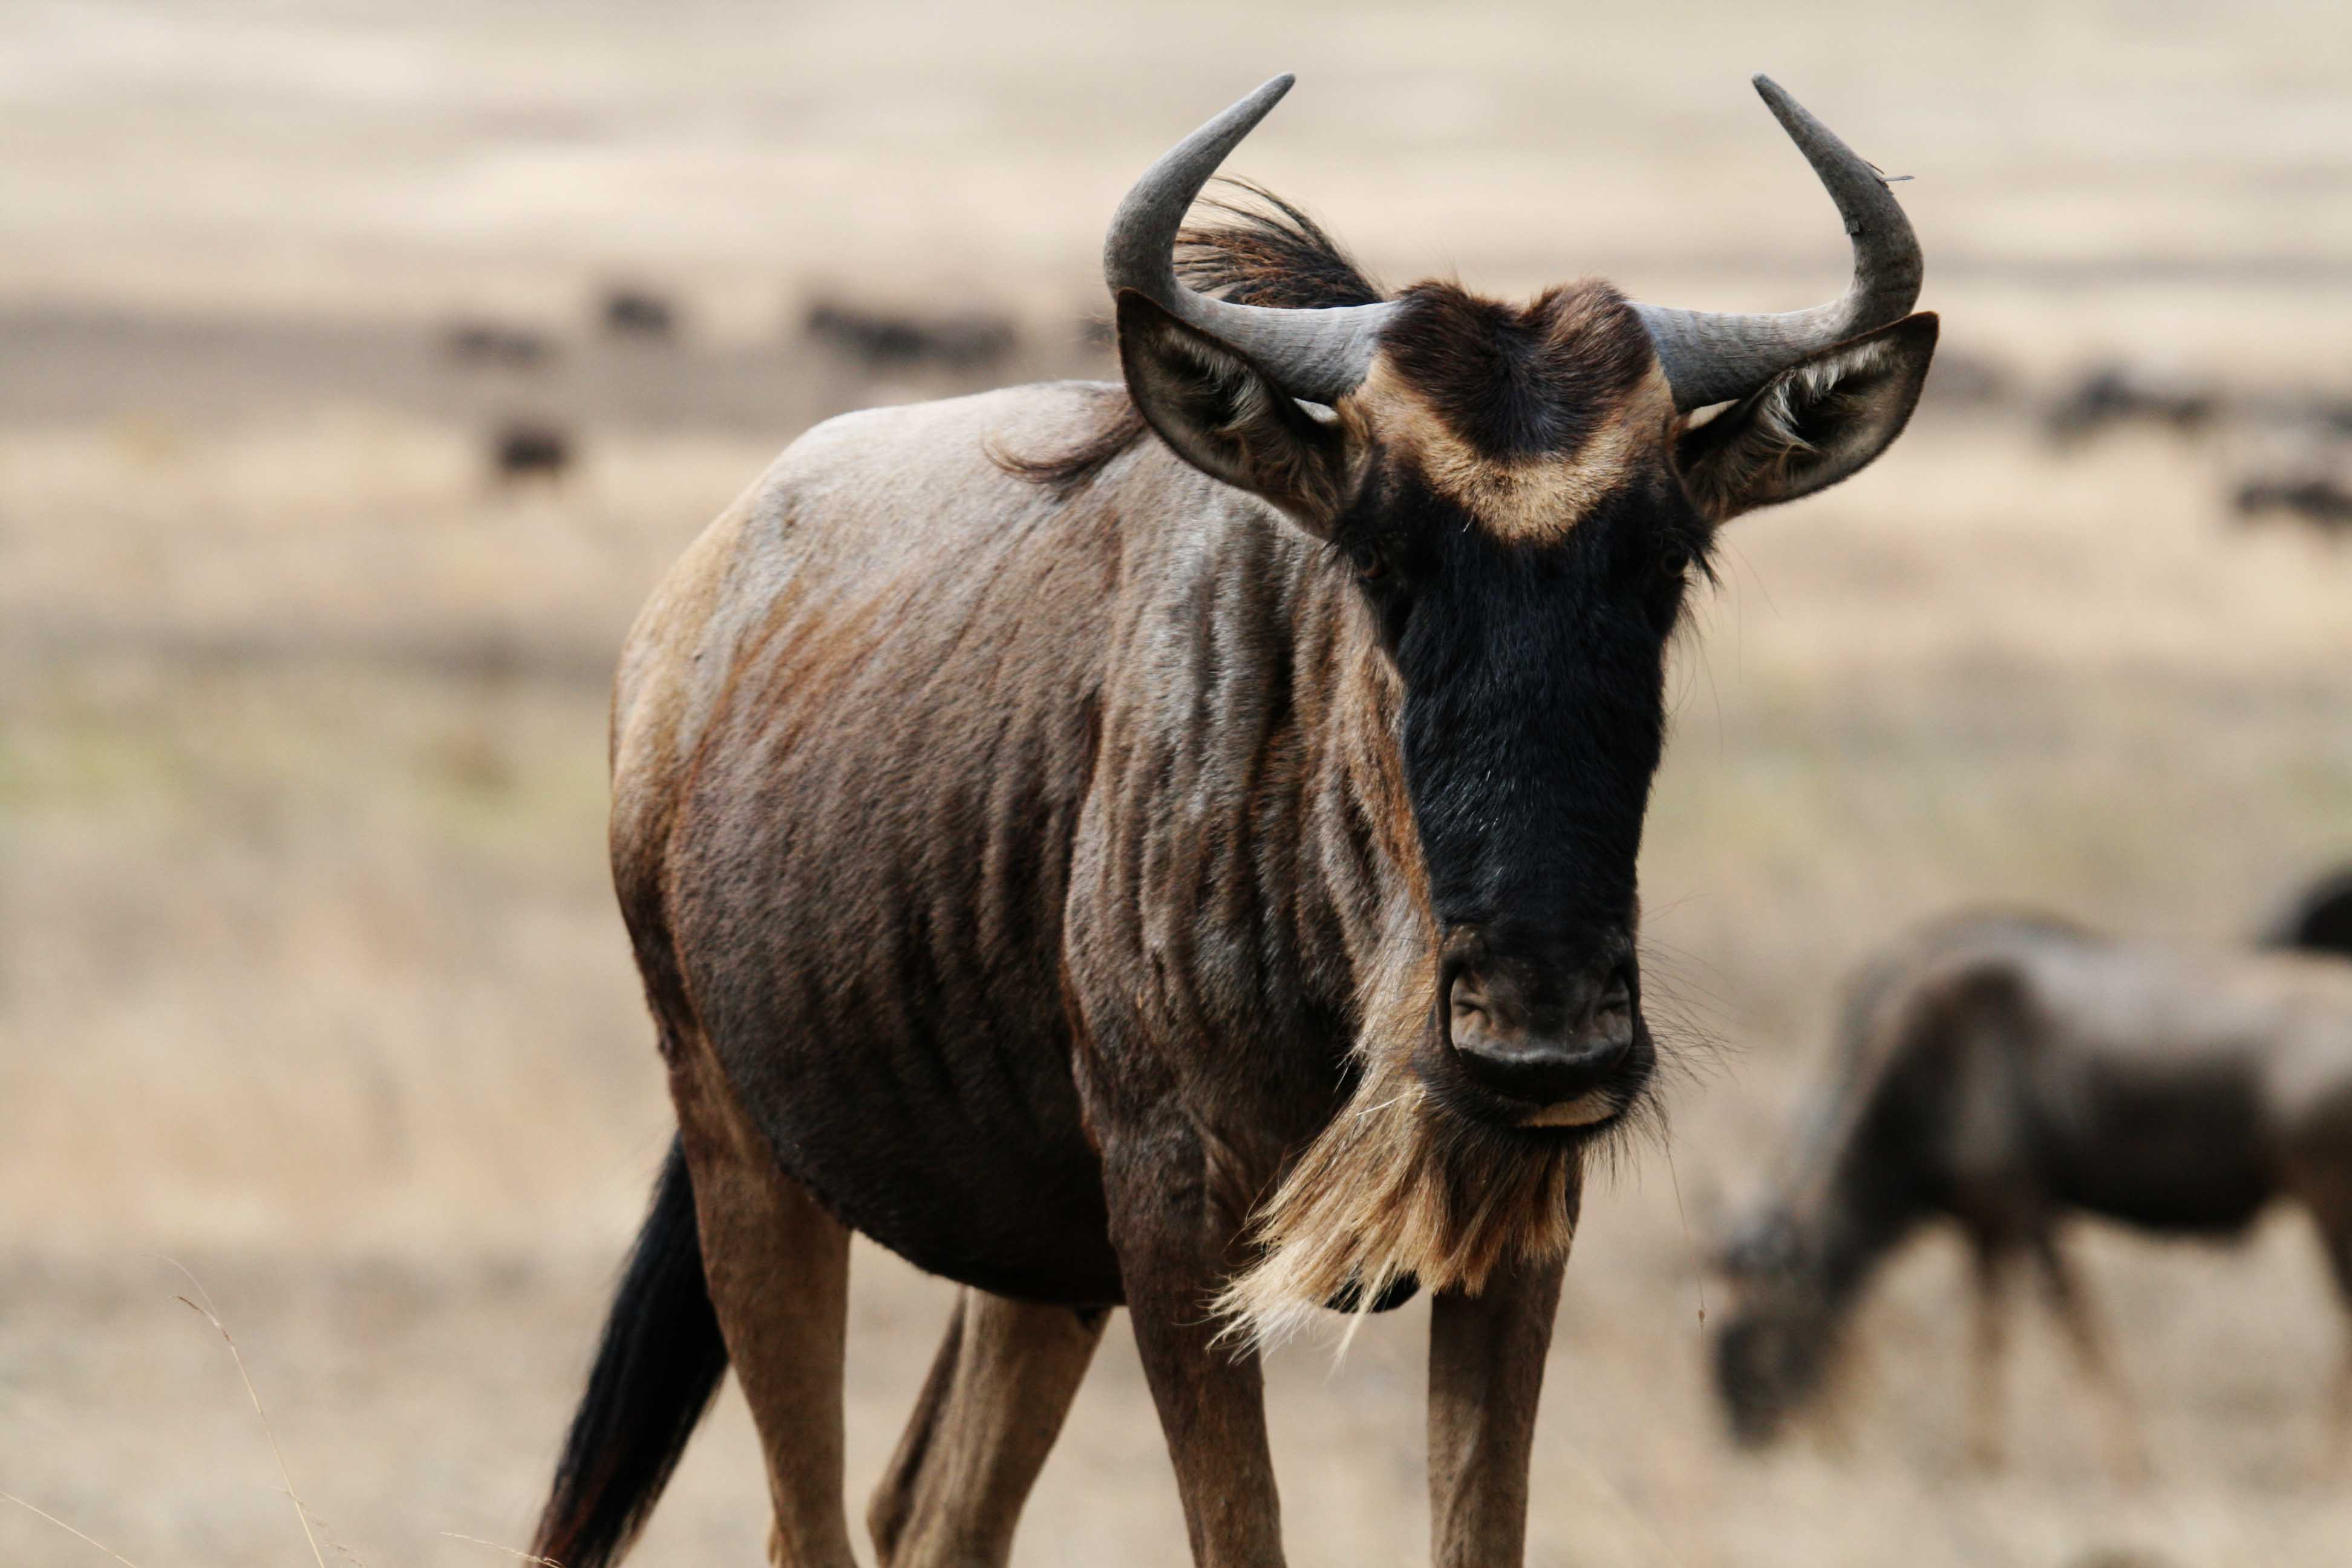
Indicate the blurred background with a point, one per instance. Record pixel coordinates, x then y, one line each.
362 366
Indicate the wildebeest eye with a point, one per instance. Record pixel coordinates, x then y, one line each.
1369 564
1675 561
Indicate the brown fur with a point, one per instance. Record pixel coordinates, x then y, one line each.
761 1233
986 1418
1486 1375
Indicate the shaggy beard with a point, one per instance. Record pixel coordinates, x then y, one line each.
1401 1183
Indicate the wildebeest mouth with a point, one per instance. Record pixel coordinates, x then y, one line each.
1593 1114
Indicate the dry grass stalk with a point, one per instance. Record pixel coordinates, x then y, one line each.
69 1530
522 1556
203 1308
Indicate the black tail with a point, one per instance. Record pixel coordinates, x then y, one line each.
655 1372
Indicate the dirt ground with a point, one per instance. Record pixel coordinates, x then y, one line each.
309 978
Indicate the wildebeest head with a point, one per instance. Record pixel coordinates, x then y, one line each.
1524 494
1773 1353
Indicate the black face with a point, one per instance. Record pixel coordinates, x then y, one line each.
1533 720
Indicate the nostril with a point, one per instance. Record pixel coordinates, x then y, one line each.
1470 1009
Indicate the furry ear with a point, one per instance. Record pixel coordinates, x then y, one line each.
1821 420
1219 412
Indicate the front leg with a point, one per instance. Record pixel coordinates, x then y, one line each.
1990 1261
1486 1375
1174 1248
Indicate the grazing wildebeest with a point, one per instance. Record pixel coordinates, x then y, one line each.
529 448
639 313
2009 1072
2113 395
2317 917
1173 845
488 342
2305 475
962 340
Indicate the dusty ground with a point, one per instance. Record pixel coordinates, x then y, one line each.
309 976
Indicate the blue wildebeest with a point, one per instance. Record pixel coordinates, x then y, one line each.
1172 844
2007 1073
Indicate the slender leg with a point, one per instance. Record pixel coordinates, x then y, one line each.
1990 1355
1486 1375
1175 1248
778 1268
2086 1337
987 1414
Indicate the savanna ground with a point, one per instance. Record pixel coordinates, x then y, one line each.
308 974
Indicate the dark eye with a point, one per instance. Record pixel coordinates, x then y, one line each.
1371 565
1675 561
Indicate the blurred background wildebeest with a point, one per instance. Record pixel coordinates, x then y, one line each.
633 312
882 340
309 973
495 343
2012 1074
529 448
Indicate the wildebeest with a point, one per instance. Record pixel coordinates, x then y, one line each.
2121 394
2300 469
529 448
2007 1073
1172 845
639 313
2321 499
2317 916
960 340
491 342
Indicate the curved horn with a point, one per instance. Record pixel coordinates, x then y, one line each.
1319 355
1710 358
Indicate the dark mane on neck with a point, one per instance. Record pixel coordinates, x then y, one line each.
1258 250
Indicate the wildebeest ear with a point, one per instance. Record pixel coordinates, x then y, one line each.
1819 421
1224 415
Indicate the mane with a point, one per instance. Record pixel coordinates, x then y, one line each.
1266 251
1258 250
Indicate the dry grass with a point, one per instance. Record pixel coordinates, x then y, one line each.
309 971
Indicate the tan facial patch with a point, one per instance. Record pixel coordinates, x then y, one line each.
1537 498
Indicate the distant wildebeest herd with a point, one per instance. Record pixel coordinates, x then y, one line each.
874 340
2285 453
1170 844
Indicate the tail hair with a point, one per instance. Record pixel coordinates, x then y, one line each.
658 1366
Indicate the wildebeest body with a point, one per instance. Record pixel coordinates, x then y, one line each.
876 956
2126 1124
1176 844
